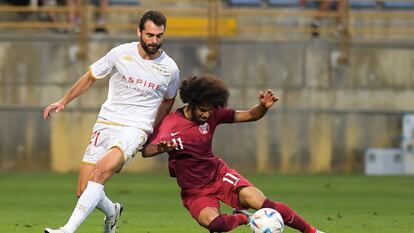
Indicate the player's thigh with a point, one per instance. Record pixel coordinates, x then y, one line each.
111 163
251 197
85 174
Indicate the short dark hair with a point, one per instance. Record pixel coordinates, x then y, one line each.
157 17
204 90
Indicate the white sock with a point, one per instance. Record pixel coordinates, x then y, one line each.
86 203
106 206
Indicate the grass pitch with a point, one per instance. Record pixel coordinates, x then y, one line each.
29 202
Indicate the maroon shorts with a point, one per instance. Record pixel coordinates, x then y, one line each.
224 188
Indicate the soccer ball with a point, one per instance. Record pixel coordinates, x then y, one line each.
266 220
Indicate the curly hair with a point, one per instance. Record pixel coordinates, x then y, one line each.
157 17
204 90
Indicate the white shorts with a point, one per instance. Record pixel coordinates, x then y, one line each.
107 135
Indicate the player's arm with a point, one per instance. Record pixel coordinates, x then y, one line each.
82 85
151 150
163 110
266 100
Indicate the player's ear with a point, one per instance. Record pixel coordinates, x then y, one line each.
138 33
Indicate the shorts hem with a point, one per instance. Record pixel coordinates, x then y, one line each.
88 163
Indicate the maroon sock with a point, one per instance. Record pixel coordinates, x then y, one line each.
225 222
290 217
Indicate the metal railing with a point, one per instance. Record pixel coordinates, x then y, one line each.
214 19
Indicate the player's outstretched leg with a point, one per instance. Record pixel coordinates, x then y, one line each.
86 203
110 224
290 217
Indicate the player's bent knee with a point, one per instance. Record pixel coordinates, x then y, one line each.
206 216
251 197
205 222
101 175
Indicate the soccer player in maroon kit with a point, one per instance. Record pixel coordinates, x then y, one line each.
204 178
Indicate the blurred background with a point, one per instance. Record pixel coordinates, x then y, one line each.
344 72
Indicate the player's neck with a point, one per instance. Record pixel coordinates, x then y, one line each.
187 112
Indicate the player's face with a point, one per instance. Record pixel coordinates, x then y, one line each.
200 114
151 37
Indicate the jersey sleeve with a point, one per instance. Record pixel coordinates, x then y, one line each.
225 115
104 66
173 85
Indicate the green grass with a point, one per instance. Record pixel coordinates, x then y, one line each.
30 202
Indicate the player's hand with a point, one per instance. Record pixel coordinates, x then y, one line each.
166 146
267 98
56 107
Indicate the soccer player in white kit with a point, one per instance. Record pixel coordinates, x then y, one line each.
141 92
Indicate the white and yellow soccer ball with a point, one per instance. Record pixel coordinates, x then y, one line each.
266 220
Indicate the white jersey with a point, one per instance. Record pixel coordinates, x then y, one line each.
137 86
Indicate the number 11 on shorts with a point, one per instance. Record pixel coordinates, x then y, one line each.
94 138
232 179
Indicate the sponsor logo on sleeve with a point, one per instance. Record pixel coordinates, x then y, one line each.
161 69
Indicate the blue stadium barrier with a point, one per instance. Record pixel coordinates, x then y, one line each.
245 2
123 2
358 4
117 2
399 5
283 3
313 4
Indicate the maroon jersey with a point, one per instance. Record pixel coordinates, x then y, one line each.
193 162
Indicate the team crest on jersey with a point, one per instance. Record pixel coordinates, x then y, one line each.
127 58
204 128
